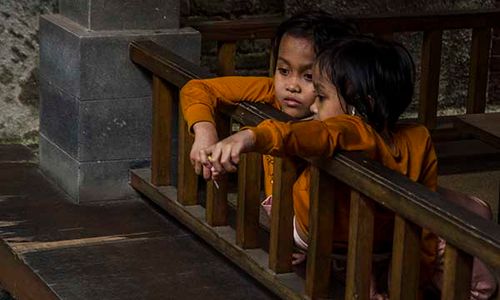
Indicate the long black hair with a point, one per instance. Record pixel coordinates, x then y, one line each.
319 26
374 76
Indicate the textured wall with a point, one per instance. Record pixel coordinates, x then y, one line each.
18 68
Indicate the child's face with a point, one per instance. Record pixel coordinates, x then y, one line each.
328 103
293 76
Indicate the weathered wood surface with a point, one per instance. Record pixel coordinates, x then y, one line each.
51 248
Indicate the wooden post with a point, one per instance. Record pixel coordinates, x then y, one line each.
226 54
281 237
405 260
360 251
429 79
247 218
161 151
478 77
321 219
216 202
457 274
187 180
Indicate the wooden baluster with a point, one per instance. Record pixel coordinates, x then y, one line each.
360 251
216 204
226 53
321 220
405 260
187 180
478 77
429 79
281 236
161 152
457 274
247 218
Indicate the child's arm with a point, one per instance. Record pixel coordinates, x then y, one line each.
307 138
199 99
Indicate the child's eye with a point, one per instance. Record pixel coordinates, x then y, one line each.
308 77
320 97
283 71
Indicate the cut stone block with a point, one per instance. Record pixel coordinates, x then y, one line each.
94 65
122 15
88 181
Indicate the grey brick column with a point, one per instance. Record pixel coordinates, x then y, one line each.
95 104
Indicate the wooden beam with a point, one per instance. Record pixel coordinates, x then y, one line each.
478 76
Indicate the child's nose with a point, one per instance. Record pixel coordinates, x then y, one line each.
293 86
314 108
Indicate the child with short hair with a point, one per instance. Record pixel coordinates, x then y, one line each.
296 43
362 87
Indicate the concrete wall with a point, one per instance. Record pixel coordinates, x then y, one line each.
18 68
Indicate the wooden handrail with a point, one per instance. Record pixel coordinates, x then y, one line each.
415 206
264 27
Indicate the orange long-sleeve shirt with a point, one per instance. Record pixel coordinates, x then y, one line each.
199 100
412 155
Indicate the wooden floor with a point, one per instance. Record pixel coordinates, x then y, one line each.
53 249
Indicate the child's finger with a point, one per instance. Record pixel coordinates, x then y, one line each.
226 161
207 174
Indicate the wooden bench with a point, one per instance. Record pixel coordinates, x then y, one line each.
414 205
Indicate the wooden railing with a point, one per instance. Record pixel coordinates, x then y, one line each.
414 205
228 33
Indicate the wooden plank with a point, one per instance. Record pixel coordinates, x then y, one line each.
359 254
281 237
405 269
478 76
321 220
482 126
187 180
216 201
287 286
457 274
429 78
263 28
161 152
248 206
226 57
164 63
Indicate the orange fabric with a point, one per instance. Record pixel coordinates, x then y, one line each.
200 97
413 156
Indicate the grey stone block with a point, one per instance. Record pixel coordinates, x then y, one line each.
88 181
115 129
96 65
59 117
120 15
59 166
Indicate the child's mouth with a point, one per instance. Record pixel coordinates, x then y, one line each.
291 102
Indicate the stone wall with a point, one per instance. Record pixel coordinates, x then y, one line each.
494 84
18 68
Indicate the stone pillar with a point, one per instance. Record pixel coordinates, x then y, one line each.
95 104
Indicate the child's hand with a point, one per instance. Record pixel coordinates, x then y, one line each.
205 136
224 156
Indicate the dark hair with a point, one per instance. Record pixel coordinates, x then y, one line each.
321 27
375 76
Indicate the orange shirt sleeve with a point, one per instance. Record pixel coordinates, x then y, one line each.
314 138
199 97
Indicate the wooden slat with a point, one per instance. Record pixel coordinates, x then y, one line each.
359 256
226 57
216 204
429 79
457 274
478 77
187 180
405 260
321 220
281 236
247 218
163 97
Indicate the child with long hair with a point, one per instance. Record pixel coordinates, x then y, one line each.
362 87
